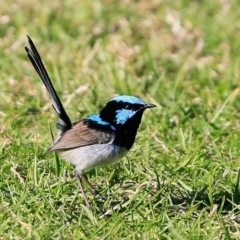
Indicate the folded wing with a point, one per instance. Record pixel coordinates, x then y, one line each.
81 135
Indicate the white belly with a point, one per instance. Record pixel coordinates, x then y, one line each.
92 156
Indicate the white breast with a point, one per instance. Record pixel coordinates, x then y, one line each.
92 156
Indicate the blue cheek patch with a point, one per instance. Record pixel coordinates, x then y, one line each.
98 120
123 115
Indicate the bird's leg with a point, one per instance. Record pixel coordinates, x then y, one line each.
93 190
79 181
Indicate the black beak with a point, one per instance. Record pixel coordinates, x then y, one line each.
149 105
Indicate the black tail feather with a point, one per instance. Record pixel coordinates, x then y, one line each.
64 123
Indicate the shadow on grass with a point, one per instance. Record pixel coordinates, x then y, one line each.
119 201
224 202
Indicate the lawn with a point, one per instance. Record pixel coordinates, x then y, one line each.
181 178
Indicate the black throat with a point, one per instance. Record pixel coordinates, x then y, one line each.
126 133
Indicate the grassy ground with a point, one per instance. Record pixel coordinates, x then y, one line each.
181 179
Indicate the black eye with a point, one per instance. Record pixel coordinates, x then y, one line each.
128 107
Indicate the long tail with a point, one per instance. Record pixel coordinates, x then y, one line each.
64 122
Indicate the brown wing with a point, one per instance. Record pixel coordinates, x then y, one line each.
80 135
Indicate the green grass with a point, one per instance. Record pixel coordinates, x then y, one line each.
181 179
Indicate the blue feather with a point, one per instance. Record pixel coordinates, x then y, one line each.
96 118
123 115
128 99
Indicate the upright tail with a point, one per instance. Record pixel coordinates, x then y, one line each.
64 122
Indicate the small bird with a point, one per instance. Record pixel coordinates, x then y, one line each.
96 140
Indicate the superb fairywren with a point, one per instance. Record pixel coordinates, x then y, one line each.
97 140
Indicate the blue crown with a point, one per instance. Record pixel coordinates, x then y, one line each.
128 99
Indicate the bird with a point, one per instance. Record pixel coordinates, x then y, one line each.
97 140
